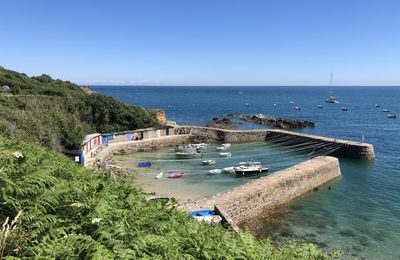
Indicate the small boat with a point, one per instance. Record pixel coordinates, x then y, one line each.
188 155
247 104
144 164
159 175
392 116
291 102
228 169
225 154
221 148
377 105
169 106
332 99
199 146
208 162
320 106
297 108
226 145
274 105
260 115
345 109
385 110
215 171
250 162
206 215
250 169
240 93
175 175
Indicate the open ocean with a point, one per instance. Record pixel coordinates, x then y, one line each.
361 213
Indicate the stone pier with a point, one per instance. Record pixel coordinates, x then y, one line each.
343 148
270 192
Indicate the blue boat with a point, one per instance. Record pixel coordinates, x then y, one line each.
206 215
144 164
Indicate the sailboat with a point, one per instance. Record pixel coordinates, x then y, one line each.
332 99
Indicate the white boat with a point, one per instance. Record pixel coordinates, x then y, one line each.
377 105
225 154
159 175
229 169
247 104
332 99
227 145
215 171
221 148
345 109
250 169
188 155
392 116
291 102
297 108
385 110
320 106
208 162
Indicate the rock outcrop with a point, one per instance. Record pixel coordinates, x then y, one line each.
223 123
278 122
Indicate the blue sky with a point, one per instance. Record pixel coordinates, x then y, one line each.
204 42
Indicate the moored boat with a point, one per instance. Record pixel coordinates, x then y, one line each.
345 109
228 169
188 155
208 162
377 105
158 176
225 154
297 108
175 175
221 148
206 215
215 171
385 110
227 145
250 168
392 116
320 106
144 164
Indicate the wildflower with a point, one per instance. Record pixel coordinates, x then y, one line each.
18 155
76 205
96 220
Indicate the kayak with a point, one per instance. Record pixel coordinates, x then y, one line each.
144 164
159 175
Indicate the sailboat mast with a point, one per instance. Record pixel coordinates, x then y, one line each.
331 82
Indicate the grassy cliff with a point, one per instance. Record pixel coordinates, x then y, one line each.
70 212
58 114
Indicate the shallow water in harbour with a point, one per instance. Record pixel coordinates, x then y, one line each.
361 213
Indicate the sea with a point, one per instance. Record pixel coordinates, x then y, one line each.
360 212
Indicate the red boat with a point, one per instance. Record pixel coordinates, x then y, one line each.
175 175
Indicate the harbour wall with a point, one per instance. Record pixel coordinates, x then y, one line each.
269 192
338 147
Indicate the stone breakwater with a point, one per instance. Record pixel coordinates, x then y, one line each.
336 147
272 191
278 122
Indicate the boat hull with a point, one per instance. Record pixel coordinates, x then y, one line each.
248 172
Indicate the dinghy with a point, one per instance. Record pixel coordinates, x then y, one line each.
225 154
222 148
144 164
159 175
385 110
226 145
208 162
206 215
215 171
229 169
175 175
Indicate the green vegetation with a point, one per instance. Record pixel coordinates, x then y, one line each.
58 114
71 212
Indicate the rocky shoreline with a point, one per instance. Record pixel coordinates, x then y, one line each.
278 122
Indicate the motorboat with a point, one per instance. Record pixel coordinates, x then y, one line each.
250 168
345 109
158 176
208 162
175 175
247 104
221 148
320 106
225 154
188 155
215 172
228 169
206 215
377 105
274 105
297 108
260 115
240 93
385 110
199 146
291 102
227 145
392 116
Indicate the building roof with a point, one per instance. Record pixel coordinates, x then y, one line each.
89 137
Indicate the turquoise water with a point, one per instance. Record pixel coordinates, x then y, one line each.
361 213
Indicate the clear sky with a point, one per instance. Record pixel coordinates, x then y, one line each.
204 42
